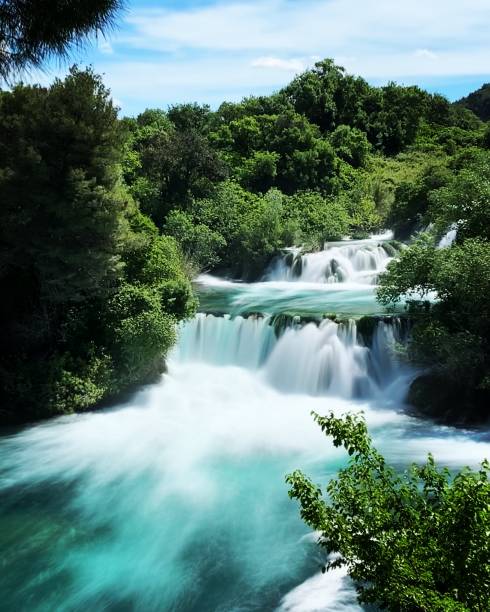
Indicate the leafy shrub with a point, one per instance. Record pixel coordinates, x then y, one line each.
417 540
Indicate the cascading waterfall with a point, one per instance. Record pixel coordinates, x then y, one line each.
175 499
349 261
449 237
326 357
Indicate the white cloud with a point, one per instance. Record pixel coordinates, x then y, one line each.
319 27
289 65
232 48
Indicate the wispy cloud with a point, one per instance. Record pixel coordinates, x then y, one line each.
312 26
290 65
425 53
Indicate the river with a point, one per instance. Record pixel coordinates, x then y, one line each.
176 500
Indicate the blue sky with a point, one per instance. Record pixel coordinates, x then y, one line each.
170 51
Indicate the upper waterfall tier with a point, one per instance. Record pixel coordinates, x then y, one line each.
341 279
353 261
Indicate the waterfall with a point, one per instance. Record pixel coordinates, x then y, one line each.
313 358
175 499
245 342
358 261
449 237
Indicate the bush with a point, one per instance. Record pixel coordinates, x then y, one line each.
417 540
200 244
319 219
451 337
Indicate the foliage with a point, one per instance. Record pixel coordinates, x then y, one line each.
31 31
377 154
412 197
478 102
465 200
200 244
91 290
410 275
364 216
251 228
259 171
417 540
351 145
451 337
168 165
319 219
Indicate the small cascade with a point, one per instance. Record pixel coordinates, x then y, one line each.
449 237
314 358
349 261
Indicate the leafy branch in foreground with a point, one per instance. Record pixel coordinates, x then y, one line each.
416 540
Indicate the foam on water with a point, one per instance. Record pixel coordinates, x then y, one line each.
330 592
347 298
155 505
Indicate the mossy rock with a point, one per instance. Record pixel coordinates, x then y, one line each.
281 322
366 326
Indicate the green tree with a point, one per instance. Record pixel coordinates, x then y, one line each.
319 219
33 30
451 336
351 145
91 290
478 102
168 166
415 540
186 117
258 172
464 200
313 93
201 245
409 210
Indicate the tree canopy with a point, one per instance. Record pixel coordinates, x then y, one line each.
90 289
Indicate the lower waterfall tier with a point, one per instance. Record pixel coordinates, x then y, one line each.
314 358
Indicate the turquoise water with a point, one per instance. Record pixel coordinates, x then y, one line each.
176 500
275 297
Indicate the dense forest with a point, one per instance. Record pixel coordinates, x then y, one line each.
105 221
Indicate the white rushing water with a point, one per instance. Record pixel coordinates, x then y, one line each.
176 500
313 358
449 237
352 261
340 279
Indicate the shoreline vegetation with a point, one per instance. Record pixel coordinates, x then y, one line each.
105 221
